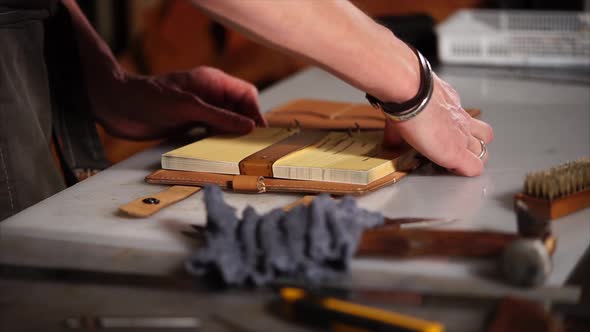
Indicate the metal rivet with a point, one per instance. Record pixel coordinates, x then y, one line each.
151 200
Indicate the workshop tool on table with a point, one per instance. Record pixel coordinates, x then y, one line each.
342 315
133 322
393 243
394 239
318 240
524 260
558 191
388 239
525 257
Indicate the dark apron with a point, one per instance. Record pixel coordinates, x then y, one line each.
37 51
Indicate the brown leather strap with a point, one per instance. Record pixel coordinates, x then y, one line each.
276 185
150 204
330 115
260 163
248 183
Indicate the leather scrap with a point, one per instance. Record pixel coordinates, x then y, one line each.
148 205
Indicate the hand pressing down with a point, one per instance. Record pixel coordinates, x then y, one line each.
444 133
150 107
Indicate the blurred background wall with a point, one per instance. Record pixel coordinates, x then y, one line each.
158 36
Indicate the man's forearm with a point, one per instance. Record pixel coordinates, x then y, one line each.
332 34
99 66
97 59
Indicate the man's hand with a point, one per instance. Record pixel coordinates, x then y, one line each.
140 107
151 107
444 132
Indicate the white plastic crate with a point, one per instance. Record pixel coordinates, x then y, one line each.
525 38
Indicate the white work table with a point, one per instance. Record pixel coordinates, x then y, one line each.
538 123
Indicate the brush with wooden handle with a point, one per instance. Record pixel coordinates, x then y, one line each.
558 191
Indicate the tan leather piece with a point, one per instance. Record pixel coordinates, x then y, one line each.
260 163
278 185
330 115
248 183
138 208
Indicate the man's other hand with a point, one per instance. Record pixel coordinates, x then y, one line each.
149 107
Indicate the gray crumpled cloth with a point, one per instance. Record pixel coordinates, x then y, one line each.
312 243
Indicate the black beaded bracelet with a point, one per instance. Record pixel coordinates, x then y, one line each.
411 108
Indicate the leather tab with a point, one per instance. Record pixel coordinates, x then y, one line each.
248 183
147 205
331 115
260 163
326 115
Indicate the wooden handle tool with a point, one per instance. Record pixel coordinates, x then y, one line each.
390 240
441 243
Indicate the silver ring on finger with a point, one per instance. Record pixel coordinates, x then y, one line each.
484 150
